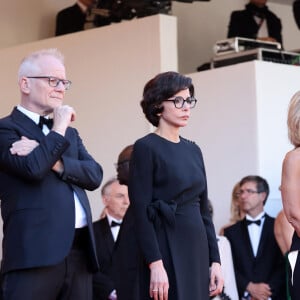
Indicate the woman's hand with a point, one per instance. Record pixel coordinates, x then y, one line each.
159 283
216 280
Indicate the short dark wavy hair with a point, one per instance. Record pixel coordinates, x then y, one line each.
162 87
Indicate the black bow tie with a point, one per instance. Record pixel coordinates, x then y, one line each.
257 222
113 224
44 121
249 222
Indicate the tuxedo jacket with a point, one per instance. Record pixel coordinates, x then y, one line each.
69 20
267 266
127 259
103 280
119 261
242 24
72 19
296 11
37 205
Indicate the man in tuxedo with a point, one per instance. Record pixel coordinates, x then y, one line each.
296 11
116 201
256 21
73 18
48 244
122 165
258 262
126 258
79 17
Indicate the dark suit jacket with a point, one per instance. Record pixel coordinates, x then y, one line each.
296 11
70 19
103 281
242 24
37 205
127 259
119 261
267 266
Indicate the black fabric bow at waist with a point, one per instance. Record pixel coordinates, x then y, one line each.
162 212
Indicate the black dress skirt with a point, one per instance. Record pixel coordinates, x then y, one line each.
168 194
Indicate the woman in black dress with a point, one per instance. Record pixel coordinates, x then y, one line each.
168 194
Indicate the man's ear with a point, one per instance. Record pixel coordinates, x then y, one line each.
263 196
25 85
104 200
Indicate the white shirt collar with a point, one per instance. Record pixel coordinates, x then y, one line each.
110 219
32 115
258 217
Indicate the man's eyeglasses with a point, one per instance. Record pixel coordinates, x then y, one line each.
179 101
54 81
247 191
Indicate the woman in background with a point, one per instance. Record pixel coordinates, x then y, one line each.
236 214
230 290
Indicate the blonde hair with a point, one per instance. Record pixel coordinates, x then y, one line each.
30 62
293 120
236 214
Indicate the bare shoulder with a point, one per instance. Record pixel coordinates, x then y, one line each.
279 217
292 158
280 220
291 168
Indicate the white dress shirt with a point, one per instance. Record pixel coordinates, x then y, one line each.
255 230
263 28
115 229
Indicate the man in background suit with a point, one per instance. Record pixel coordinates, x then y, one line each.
127 257
116 201
296 11
72 19
47 223
255 22
79 17
258 262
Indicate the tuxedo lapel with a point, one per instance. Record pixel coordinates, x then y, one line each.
117 240
108 237
81 194
264 236
29 128
246 237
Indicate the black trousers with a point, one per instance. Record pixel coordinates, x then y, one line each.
68 280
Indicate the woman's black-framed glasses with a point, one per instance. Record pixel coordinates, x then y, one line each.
54 81
180 101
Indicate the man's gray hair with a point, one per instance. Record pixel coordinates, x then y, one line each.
29 63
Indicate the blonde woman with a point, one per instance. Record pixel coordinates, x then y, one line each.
290 191
236 213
